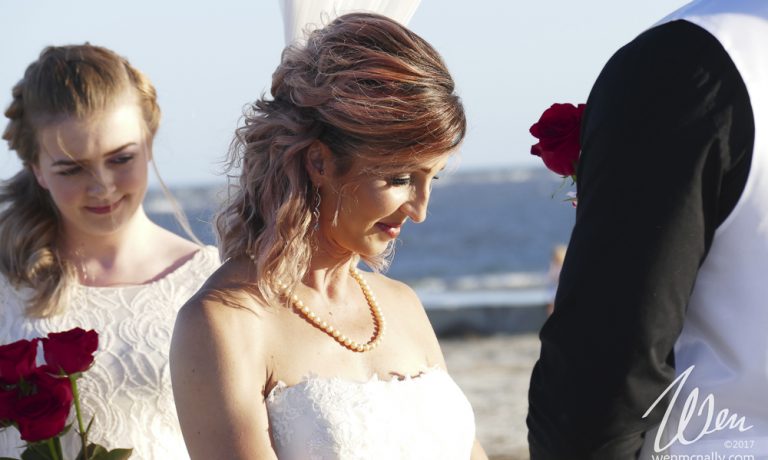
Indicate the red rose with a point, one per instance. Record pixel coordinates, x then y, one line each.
43 414
17 360
8 404
70 351
558 133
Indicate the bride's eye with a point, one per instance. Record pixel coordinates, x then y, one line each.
400 181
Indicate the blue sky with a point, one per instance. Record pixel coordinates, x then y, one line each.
510 59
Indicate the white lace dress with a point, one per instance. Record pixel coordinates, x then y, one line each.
425 418
129 387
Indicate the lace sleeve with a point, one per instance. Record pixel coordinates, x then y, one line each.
12 306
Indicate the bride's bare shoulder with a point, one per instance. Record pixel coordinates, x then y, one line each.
392 287
225 303
219 366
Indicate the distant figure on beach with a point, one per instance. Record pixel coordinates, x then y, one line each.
662 297
553 274
78 250
290 351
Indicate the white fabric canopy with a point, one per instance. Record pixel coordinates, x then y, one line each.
300 16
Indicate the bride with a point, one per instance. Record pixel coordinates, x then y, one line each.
290 351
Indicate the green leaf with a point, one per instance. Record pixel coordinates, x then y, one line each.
36 451
88 428
94 452
66 430
117 454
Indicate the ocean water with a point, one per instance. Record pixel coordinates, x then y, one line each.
487 239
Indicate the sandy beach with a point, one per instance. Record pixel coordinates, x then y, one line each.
494 373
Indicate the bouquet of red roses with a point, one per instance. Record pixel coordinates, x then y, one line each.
37 400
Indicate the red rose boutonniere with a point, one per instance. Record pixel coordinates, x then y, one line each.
559 143
37 400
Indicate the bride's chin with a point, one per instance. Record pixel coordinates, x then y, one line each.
376 251
333 249
365 248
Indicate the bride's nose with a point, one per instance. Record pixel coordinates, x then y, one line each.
416 207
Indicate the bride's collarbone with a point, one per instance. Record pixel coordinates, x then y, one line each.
298 349
357 374
324 358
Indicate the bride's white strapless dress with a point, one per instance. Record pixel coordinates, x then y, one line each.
424 417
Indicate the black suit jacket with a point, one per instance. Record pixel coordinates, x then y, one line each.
666 146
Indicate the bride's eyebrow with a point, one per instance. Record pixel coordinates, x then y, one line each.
429 170
69 162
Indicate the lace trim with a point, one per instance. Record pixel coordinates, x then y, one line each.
280 387
418 417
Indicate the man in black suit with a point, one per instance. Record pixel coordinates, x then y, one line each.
667 150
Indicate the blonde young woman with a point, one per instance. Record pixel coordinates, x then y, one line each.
290 351
77 249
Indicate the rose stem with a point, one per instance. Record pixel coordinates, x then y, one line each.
52 448
83 433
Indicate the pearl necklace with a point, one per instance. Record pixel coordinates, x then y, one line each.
343 340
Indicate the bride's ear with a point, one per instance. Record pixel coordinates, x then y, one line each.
318 162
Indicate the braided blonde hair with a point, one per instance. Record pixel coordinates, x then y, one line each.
64 81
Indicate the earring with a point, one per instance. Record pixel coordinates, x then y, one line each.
316 209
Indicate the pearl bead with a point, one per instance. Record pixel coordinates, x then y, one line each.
378 318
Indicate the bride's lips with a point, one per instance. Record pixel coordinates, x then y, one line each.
393 230
104 209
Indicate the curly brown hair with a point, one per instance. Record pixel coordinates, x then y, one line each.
366 87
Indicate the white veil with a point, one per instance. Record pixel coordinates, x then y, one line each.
302 15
